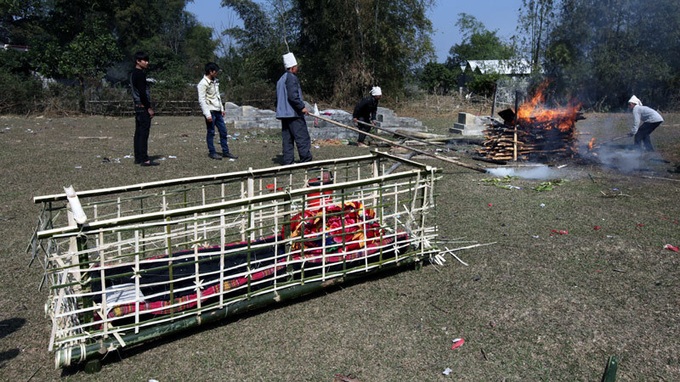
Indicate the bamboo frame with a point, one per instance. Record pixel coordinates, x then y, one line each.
156 258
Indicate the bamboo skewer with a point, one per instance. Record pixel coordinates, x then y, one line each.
443 158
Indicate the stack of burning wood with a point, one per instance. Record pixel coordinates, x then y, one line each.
535 133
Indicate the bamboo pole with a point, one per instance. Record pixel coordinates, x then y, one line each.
443 158
401 134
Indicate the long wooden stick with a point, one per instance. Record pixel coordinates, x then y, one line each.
400 134
443 158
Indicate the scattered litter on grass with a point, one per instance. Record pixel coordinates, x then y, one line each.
457 342
79 167
331 142
536 237
549 185
671 248
128 156
640 225
559 231
172 156
490 205
345 378
500 182
610 236
542 205
613 193
447 371
597 228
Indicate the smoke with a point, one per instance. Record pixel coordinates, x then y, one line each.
539 172
624 160
617 153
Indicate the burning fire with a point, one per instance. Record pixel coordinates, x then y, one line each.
534 112
591 144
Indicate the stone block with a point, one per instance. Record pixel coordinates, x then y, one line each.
467 118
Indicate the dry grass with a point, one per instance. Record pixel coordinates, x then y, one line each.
533 306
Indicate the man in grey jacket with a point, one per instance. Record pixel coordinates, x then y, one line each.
645 121
291 111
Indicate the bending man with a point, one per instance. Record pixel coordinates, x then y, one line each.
645 121
365 111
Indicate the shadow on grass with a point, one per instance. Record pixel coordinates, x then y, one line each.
10 326
118 355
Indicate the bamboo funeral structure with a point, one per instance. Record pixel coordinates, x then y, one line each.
131 264
534 133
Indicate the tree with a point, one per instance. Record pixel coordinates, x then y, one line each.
253 63
605 51
478 43
536 17
353 45
364 43
437 78
80 45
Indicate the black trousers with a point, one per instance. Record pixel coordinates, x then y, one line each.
141 139
643 133
364 128
294 133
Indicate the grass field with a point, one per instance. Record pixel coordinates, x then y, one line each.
532 303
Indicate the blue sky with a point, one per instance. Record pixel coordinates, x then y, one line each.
496 15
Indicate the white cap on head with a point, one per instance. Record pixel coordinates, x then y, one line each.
376 91
289 60
635 100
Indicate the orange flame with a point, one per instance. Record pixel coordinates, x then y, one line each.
591 144
534 112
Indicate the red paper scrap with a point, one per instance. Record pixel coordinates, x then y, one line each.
560 232
671 248
457 342
597 228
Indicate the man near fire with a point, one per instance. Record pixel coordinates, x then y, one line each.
645 121
365 112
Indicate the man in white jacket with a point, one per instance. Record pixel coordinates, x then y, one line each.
213 111
645 120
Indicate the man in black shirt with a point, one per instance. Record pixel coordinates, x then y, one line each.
141 98
365 111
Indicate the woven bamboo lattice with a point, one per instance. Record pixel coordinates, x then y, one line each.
156 258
